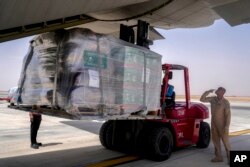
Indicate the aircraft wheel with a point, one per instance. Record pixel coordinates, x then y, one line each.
160 144
204 135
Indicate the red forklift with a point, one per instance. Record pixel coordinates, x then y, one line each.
178 124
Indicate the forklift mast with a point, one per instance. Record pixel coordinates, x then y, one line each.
127 34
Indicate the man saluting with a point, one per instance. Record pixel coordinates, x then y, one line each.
220 121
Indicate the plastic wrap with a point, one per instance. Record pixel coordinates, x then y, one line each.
84 72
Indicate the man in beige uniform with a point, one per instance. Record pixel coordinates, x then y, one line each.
220 121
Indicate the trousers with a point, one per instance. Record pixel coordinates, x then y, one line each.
218 134
34 126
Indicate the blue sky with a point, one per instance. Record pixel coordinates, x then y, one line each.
11 55
218 55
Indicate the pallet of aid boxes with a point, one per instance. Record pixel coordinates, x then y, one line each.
96 74
38 71
87 67
134 90
112 79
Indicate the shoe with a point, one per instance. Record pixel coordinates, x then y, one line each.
217 159
39 144
35 146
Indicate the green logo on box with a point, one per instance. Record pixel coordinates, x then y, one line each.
91 59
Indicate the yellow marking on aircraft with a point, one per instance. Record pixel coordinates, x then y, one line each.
115 161
238 133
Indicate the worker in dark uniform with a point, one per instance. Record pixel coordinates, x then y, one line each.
170 97
220 121
35 119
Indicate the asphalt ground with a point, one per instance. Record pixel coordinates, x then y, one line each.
73 143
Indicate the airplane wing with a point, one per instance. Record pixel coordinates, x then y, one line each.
29 17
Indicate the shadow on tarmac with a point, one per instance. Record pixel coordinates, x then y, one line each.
189 156
61 158
50 144
92 127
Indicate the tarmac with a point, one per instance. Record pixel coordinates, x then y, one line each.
72 143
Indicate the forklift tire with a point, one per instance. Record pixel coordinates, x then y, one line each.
160 144
204 135
105 134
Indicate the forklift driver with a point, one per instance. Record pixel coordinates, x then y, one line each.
170 97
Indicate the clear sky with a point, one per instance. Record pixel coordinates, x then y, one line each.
218 55
11 58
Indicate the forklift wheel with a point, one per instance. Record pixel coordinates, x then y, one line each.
105 134
160 144
204 135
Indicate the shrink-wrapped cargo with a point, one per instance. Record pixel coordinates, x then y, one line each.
85 72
